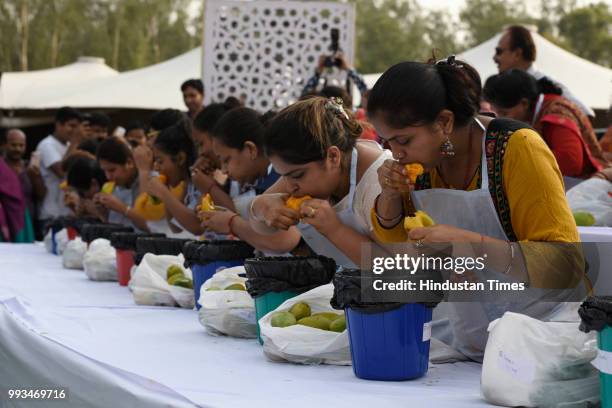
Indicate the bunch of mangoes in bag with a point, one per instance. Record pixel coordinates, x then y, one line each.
233 286
300 313
175 276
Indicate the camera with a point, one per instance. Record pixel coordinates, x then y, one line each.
332 61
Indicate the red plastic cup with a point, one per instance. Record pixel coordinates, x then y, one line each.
125 261
72 234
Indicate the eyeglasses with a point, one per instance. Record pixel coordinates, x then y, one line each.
499 51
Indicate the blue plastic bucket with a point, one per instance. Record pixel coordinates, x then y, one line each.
203 272
54 231
390 346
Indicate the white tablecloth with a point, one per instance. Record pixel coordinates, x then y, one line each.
58 328
597 249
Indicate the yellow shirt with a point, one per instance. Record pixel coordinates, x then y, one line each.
151 211
539 210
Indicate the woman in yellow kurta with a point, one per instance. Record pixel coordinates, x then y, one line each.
490 183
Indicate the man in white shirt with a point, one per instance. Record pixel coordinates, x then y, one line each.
53 149
516 50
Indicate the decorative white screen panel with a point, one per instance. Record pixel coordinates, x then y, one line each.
265 51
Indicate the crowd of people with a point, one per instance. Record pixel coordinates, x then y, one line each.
495 158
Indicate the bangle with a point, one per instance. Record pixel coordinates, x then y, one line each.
229 224
394 219
511 258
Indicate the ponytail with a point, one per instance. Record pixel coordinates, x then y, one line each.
414 93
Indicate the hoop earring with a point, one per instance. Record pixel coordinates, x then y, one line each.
447 149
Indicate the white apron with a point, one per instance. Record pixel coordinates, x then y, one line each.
321 245
475 211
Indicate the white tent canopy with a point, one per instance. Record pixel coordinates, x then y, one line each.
25 90
589 82
153 87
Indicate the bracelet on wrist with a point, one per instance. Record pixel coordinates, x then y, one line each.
380 218
229 224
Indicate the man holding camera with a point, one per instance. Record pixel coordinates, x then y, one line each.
335 62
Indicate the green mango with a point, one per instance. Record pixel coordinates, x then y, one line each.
183 282
317 322
338 325
282 319
328 315
300 310
235 286
174 278
584 219
174 270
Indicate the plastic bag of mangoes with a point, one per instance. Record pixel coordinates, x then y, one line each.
227 308
306 330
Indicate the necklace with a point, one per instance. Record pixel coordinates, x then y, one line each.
467 179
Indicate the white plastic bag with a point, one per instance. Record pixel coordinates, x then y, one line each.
229 312
72 258
303 344
592 196
526 358
100 261
48 241
61 240
150 287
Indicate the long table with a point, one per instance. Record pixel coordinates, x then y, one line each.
57 328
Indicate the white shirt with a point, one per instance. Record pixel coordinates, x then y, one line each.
51 151
566 92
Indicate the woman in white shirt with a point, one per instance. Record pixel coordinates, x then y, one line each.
314 146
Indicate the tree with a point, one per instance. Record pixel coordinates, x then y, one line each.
36 34
485 18
442 33
587 31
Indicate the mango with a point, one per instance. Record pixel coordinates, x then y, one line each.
316 322
300 310
282 319
207 203
108 187
584 219
235 286
296 202
164 180
328 315
338 325
183 282
420 219
414 170
174 270
174 278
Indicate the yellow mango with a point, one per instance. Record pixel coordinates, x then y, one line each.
296 202
207 203
414 170
108 187
420 219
